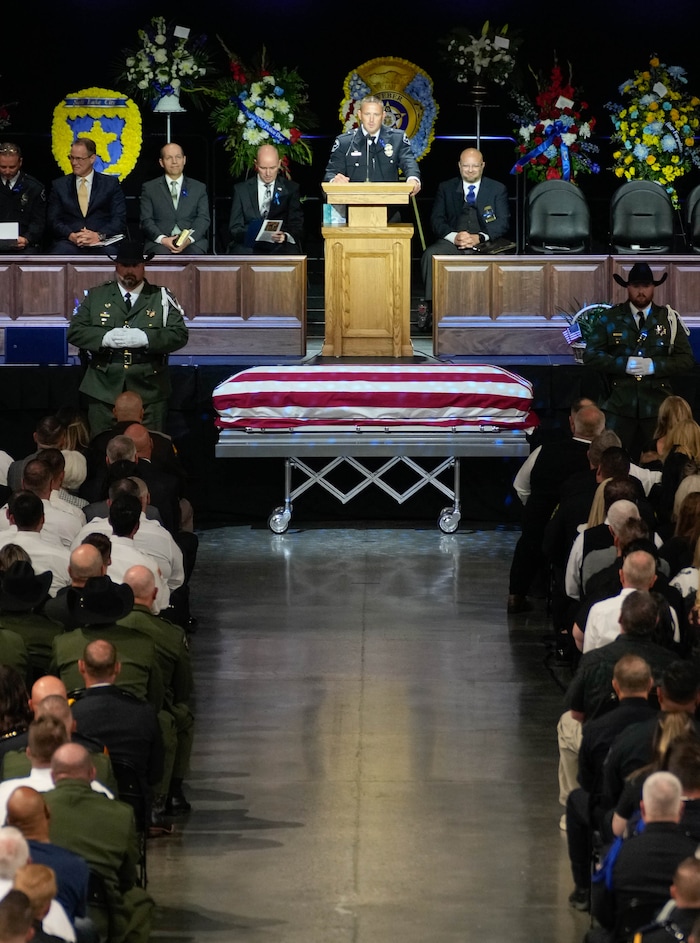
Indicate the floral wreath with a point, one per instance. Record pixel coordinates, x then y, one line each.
553 133
654 136
166 63
407 93
111 119
257 107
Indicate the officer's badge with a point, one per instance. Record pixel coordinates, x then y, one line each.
389 150
150 313
661 330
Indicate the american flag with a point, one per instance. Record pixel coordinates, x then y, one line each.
572 333
387 395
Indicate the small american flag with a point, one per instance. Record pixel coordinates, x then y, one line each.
572 334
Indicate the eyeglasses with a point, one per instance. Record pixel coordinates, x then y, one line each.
77 160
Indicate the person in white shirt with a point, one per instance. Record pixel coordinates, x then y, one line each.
603 622
26 515
60 524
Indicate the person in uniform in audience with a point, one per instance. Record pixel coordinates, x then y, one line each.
22 201
638 345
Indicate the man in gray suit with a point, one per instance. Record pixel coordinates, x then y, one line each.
173 203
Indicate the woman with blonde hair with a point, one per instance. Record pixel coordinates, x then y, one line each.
681 458
672 411
678 550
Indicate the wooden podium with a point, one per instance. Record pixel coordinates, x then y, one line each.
368 274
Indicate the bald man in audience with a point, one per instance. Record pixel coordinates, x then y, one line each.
27 812
128 409
103 832
85 562
646 864
603 622
108 714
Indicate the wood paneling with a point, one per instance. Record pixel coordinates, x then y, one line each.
255 305
511 304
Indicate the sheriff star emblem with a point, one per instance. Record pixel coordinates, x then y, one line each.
660 330
150 313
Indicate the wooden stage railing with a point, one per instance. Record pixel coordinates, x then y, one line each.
508 304
234 305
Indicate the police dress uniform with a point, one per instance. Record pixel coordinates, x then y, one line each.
141 369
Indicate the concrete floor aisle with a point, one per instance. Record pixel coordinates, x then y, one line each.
375 757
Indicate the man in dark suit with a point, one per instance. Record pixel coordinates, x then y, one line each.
555 462
172 204
22 201
372 152
110 715
266 195
466 213
84 207
638 345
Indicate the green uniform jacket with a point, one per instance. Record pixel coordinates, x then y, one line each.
38 633
615 338
102 309
102 831
172 652
13 652
140 674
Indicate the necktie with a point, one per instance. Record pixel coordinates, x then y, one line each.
267 199
127 300
471 195
173 192
83 196
640 318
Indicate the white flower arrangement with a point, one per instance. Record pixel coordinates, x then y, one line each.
486 57
166 63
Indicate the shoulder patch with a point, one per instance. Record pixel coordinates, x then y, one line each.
336 145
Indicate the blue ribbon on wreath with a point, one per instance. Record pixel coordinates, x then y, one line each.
276 135
556 129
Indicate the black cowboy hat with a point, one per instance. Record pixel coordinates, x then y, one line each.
22 589
130 252
100 602
640 274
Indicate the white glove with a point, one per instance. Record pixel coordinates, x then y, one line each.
134 337
114 338
639 366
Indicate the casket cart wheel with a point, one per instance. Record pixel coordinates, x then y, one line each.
278 521
449 519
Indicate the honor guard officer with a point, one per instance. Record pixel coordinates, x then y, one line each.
127 328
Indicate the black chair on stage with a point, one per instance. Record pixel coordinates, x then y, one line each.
641 218
558 219
692 210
